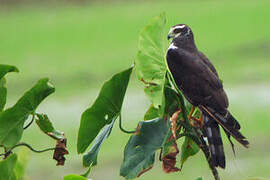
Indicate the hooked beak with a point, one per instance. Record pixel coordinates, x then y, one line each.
169 36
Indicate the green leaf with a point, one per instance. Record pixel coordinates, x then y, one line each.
150 61
46 126
7 166
12 119
74 177
3 93
151 113
20 167
171 102
4 69
189 148
105 109
140 150
90 159
200 178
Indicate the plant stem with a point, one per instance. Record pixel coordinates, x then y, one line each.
26 145
182 102
121 128
32 120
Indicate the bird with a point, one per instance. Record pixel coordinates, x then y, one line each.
198 80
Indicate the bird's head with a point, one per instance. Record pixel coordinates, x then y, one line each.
180 31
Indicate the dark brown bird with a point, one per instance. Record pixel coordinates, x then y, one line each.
199 82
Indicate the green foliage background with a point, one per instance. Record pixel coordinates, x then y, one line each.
79 47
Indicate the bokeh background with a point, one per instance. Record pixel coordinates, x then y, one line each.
80 44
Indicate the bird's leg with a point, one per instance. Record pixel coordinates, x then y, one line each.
173 121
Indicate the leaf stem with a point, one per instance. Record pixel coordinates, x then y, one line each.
28 146
121 128
32 120
182 102
198 139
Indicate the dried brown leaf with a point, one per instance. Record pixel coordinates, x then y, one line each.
60 151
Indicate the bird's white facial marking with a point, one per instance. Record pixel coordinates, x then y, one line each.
181 27
172 46
172 30
176 27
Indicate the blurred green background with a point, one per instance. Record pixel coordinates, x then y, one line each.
80 45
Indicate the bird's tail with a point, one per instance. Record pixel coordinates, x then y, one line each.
229 124
212 132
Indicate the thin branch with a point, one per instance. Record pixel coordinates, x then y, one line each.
121 128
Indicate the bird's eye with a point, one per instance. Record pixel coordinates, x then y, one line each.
176 31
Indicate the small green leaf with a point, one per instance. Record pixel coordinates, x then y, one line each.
20 167
7 166
90 159
200 178
4 69
74 177
3 93
189 148
171 102
150 61
46 126
140 150
105 109
12 119
151 113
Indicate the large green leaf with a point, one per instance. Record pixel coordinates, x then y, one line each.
150 61
4 69
20 167
171 101
90 159
169 148
200 178
12 119
189 148
140 150
75 177
105 109
7 166
151 113
3 93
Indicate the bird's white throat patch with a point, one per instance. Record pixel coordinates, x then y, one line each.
172 46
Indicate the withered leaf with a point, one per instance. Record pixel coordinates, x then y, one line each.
60 151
